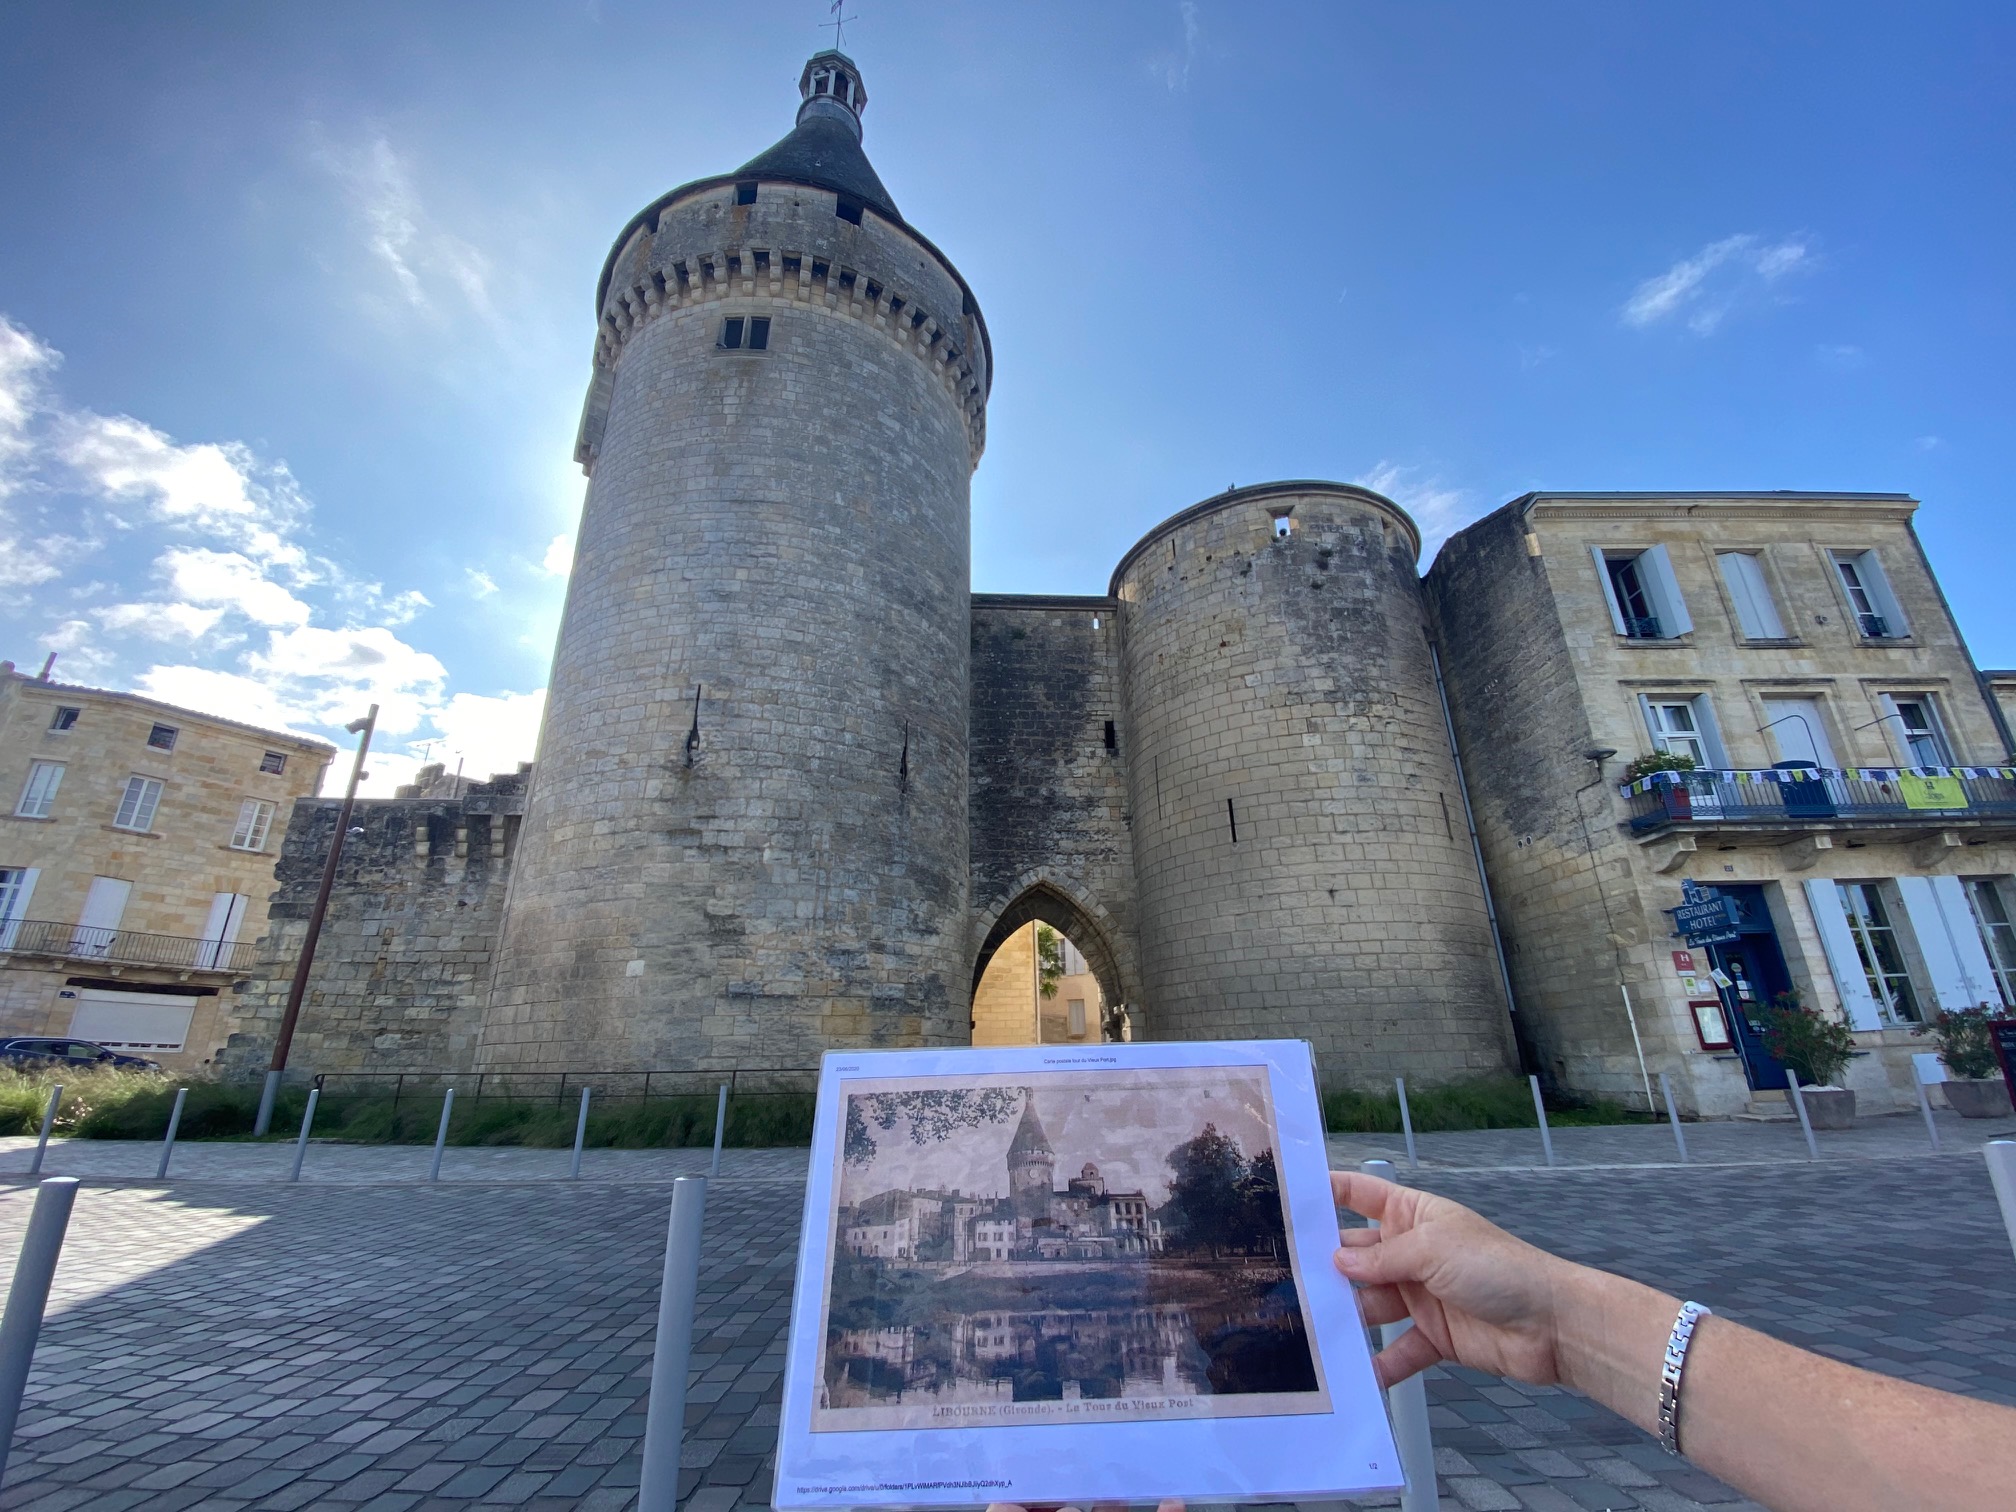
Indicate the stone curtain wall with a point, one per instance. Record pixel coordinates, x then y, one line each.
402 972
1290 677
786 530
1049 797
1522 724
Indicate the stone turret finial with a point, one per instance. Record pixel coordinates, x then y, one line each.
832 88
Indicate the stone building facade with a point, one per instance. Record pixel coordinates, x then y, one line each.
1582 632
137 846
798 787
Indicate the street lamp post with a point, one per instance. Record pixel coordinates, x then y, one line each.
299 986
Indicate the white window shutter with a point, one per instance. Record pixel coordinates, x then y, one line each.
1948 942
1609 589
17 908
1843 963
1750 592
1877 583
1651 724
1711 731
1655 569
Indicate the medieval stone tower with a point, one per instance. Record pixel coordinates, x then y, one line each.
746 839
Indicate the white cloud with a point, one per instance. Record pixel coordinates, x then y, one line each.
559 558
229 580
481 584
1440 511
1931 443
1705 288
221 490
428 265
228 695
1172 65
162 622
491 734
1840 355
23 359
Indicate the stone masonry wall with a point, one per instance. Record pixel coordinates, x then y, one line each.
1049 793
402 971
1301 863
785 532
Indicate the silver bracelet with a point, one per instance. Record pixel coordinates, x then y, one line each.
1691 1313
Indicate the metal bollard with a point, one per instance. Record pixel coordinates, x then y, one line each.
1539 1107
41 1246
2001 1156
441 1134
1408 1402
1925 1107
1673 1116
580 1134
268 1094
1799 1107
307 1123
671 1355
48 1123
1406 1121
168 1144
720 1126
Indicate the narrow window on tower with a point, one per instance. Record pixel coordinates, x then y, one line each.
759 333
745 194
848 208
731 333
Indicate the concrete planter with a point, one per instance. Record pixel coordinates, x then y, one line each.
1826 1107
1985 1098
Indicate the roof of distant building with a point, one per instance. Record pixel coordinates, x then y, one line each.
304 742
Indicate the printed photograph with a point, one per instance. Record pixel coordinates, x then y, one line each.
1070 1246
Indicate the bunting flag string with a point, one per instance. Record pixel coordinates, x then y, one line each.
1794 775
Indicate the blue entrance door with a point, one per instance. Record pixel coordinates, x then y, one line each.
1756 970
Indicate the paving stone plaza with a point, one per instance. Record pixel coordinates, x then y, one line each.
366 1340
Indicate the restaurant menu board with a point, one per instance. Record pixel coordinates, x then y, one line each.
2004 1033
1072 1274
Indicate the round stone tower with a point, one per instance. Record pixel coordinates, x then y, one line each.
746 837
1032 1165
1300 851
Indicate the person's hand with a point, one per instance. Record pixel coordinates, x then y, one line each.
1477 1295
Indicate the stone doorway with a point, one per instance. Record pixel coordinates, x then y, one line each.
1046 975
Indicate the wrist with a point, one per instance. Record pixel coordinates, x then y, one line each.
1610 1340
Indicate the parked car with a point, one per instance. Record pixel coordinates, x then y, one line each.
32 1054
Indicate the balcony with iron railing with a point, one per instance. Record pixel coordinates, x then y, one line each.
121 947
1907 798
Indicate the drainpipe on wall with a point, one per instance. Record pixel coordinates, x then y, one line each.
1470 824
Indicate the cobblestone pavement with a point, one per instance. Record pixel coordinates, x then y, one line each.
367 1340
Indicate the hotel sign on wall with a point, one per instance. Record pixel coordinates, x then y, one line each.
1704 917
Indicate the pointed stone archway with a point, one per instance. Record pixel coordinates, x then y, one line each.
1045 902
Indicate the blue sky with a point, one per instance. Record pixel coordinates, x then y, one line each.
299 298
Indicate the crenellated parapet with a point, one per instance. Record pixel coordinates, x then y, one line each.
793 247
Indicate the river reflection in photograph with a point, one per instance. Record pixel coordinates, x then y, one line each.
1062 1247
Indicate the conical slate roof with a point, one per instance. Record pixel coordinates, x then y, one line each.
1029 1136
823 152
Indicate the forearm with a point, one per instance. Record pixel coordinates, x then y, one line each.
1792 1429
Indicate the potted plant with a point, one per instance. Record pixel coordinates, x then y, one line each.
1817 1051
1974 1086
1675 795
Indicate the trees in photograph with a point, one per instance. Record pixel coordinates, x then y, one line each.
932 1114
1221 1202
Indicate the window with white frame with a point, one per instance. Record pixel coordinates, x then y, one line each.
17 886
1920 735
255 818
38 794
1685 726
64 718
1642 593
273 763
162 737
138 803
1756 613
1992 915
1877 614
1881 954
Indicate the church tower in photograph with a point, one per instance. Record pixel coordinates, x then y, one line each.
746 837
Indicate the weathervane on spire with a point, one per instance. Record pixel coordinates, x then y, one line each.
838 23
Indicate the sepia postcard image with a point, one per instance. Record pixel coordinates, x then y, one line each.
1106 1245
